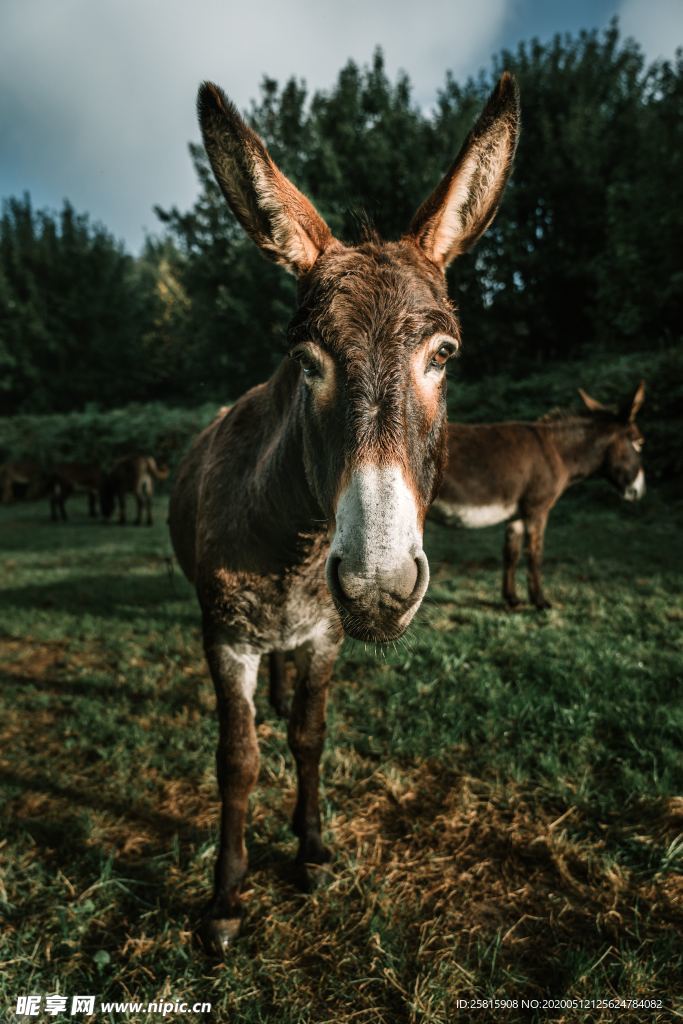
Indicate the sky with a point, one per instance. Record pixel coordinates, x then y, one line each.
97 97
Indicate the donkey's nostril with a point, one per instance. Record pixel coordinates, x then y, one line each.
352 584
333 580
401 582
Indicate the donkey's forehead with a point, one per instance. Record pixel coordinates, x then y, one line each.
375 293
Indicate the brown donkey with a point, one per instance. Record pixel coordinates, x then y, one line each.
68 477
516 472
133 474
25 479
299 514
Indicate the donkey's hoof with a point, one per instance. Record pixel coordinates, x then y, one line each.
542 605
217 934
312 877
512 601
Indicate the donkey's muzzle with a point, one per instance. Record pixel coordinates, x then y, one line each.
377 607
636 489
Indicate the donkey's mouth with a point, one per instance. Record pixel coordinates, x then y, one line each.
359 628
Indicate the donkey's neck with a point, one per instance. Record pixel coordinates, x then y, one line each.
283 510
581 442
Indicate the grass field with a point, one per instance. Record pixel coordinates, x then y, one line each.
503 791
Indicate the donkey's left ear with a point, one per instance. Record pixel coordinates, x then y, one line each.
630 409
461 208
591 404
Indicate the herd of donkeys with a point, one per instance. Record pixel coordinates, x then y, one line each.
104 488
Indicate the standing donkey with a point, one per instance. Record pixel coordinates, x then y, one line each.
132 474
516 472
299 514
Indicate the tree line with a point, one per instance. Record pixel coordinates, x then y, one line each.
583 256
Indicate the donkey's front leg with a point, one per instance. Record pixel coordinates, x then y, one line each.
514 534
306 734
535 531
237 761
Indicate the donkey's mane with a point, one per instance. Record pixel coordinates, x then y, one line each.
365 227
563 414
558 414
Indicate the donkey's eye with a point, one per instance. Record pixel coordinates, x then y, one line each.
441 356
307 362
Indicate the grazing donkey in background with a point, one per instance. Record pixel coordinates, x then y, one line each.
133 474
21 480
299 514
68 477
516 472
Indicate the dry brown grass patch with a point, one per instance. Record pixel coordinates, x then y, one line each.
474 862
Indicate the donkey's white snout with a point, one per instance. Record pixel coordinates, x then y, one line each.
377 567
636 489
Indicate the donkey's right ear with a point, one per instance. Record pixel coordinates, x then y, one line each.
631 408
461 208
282 221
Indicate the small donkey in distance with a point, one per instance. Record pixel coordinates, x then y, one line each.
299 513
516 473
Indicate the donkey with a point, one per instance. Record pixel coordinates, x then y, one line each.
516 472
69 477
133 474
299 514
24 480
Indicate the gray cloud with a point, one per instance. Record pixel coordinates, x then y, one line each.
97 98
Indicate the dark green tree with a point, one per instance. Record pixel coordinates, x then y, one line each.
584 252
72 312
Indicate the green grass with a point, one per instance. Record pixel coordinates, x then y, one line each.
503 791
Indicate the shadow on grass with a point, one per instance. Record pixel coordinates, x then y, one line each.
84 797
64 842
126 597
26 529
111 693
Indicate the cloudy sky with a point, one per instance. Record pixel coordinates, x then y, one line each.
97 96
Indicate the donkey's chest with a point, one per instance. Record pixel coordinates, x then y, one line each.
271 611
305 613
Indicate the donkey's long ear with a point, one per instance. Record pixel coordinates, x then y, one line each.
630 409
591 403
461 208
282 222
